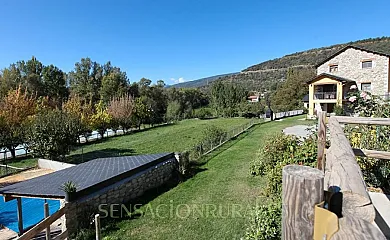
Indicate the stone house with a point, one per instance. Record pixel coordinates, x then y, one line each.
368 70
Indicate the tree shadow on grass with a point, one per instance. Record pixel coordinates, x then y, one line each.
129 132
103 153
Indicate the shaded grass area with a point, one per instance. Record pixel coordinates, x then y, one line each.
214 204
164 138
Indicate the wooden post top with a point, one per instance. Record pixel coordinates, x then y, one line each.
303 172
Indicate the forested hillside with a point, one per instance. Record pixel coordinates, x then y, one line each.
314 56
200 82
268 75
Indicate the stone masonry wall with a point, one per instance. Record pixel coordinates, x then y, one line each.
122 192
350 66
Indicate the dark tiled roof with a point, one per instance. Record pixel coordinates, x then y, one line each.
334 77
354 47
89 176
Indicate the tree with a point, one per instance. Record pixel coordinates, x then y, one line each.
173 111
54 82
113 84
15 110
10 78
31 72
141 112
101 119
226 97
85 80
289 95
121 109
83 111
53 133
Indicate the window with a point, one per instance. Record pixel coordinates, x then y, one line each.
366 87
333 68
367 64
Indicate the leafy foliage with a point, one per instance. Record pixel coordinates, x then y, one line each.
114 84
101 119
15 110
83 111
289 95
266 222
173 111
226 97
376 172
203 113
314 56
279 151
53 133
121 109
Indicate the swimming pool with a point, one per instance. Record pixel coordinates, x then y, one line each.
32 209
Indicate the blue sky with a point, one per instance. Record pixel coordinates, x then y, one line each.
181 39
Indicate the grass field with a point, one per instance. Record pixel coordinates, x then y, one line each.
222 182
166 138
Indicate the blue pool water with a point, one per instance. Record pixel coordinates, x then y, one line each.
32 212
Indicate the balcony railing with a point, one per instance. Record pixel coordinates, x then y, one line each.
325 95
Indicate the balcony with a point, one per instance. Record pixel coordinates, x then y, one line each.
325 95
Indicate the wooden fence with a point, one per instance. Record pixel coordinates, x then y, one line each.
44 225
339 170
210 145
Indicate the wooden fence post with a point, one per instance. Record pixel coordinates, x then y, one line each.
97 227
302 188
46 210
321 141
20 216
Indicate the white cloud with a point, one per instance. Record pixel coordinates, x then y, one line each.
179 80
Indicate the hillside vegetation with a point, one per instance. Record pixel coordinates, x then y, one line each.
315 56
269 74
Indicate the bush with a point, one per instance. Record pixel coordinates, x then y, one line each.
376 172
212 137
266 222
338 110
281 150
53 133
203 113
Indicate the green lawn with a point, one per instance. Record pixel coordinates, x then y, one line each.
167 138
223 181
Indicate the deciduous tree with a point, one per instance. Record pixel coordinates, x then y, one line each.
15 110
101 119
121 109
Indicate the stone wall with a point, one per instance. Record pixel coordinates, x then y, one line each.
350 66
83 209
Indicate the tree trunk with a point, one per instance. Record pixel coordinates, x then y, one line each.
12 151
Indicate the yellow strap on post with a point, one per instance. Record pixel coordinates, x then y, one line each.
326 223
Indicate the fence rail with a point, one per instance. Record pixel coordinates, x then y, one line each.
340 171
210 145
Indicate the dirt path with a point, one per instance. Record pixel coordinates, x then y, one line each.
23 176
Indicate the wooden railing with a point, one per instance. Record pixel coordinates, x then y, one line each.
45 224
340 170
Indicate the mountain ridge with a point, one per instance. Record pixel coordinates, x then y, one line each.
268 74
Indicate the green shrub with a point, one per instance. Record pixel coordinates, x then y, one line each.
212 137
266 222
203 113
376 172
53 133
338 110
279 151
173 111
